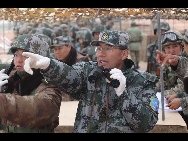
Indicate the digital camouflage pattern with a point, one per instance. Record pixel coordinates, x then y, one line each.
184 98
171 76
61 40
84 34
151 48
114 38
43 30
20 42
98 28
151 57
179 36
130 112
163 25
85 47
38 44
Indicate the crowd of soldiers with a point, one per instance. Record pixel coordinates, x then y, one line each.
89 63
81 33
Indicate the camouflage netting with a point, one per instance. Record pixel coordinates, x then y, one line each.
39 15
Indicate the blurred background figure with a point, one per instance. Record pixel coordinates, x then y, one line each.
135 43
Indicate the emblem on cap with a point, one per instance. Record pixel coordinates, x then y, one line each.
104 36
55 41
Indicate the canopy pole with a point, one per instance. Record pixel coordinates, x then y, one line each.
161 68
120 23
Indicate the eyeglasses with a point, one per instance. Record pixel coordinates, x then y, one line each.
169 36
16 55
107 48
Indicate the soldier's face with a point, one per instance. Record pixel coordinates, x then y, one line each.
96 35
19 60
61 52
173 49
109 57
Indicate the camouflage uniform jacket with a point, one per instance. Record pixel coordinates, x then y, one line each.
39 109
130 112
179 89
171 76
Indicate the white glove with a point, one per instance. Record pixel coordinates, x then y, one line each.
35 61
2 77
117 74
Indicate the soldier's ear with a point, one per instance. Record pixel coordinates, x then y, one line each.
125 54
69 46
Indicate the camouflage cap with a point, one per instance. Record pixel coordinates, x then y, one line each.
112 37
37 44
46 31
20 42
164 26
98 28
61 40
171 37
84 34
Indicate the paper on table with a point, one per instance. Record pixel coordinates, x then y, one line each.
165 108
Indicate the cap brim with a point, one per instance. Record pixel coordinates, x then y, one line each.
96 43
56 45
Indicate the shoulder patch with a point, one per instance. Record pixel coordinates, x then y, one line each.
154 103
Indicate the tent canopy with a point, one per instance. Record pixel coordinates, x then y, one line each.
75 14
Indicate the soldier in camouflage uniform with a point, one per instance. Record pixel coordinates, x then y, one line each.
28 103
172 43
43 30
177 95
95 33
84 38
127 108
151 49
135 43
65 29
66 53
74 30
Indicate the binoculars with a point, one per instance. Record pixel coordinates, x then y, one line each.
99 72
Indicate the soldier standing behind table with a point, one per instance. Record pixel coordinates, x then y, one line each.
135 43
152 65
177 95
103 107
172 43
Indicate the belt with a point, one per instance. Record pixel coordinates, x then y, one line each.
14 129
